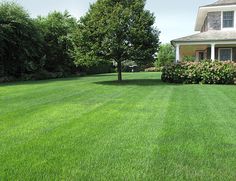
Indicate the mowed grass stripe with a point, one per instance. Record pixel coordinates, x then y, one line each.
81 98
134 132
48 118
44 93
109 108
94 128
192 144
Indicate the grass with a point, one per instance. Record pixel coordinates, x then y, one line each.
94 128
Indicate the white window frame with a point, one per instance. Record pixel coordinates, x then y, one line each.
231 51
222 21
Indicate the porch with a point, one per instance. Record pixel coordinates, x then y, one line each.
212 51
213 45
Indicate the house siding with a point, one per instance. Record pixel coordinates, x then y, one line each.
216 53
208 53
234 54
214 20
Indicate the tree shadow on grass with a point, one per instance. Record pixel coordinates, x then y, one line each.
135 82
102 75
49 80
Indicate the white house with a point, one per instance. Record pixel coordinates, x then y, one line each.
217 38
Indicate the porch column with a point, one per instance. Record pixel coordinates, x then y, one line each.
177 57
213 52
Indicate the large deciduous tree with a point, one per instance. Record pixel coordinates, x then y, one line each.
117 30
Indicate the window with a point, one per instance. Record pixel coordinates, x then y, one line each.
225 54
228 19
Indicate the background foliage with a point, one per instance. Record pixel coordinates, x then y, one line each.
58 45
166 55
35 48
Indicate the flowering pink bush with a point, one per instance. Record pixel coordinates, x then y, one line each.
205 72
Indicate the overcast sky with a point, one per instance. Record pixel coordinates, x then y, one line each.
174 18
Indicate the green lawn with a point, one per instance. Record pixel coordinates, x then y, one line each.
93 128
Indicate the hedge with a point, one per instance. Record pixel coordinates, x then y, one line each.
205 72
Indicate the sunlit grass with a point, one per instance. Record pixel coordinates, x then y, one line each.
94 128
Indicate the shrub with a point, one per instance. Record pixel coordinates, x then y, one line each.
205 72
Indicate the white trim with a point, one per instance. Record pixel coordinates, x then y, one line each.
234 19
222 21
213 52
177 56
208 43
231 49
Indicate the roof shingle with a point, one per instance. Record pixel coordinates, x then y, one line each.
211 35
222 3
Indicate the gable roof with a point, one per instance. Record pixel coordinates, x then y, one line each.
208 36
221 3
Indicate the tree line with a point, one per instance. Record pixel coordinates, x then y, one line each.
59 45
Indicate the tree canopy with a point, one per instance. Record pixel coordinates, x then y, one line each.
115 30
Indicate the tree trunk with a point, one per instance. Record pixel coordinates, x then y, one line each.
119 69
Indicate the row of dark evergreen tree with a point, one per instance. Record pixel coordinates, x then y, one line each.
58 45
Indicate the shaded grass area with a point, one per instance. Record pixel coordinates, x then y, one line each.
94 128
137 82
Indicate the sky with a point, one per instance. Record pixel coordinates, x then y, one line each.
174 18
